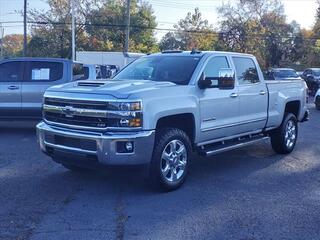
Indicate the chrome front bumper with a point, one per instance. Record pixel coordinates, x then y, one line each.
103 147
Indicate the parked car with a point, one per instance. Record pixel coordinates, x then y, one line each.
282 74
92 72
317 99
312 78
300 74
160 108
23 82
108 71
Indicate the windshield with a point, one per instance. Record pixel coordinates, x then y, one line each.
163 68
285 74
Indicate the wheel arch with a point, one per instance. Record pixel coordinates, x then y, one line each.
293 107
182 121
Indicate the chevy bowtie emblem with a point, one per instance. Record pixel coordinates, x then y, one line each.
68 111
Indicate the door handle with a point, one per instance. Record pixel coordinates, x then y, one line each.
262 92
234 95
13 87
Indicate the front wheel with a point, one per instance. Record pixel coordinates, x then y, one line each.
283 139
170 159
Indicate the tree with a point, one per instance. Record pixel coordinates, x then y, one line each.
258 27
190 32
100 27
105 27
169 42
12 45
51 30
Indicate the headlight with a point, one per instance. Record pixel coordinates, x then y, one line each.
125 114
125 106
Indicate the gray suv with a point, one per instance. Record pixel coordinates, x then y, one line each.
23 82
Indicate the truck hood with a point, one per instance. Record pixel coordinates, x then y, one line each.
117 88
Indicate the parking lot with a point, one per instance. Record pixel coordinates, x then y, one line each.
249 193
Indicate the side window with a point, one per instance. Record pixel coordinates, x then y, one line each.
246 70
44 71
214 65
11 72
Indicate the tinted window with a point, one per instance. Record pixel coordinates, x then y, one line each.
214 65
11 72
246 70
78 72
44 71
316 73
285 74
163 68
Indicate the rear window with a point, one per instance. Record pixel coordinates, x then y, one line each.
79 72
11 72
44 71
285 74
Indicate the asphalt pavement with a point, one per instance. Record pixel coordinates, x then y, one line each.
247 194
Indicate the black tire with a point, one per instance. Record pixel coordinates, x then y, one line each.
317 102
283 141
164 138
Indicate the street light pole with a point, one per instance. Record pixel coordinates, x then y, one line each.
126 47
73 30
1 40
25 29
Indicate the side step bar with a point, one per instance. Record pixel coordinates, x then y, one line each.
223 147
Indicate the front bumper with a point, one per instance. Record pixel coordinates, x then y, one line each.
102 147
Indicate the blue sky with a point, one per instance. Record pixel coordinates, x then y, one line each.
167 12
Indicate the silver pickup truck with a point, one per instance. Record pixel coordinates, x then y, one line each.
23 82
161 107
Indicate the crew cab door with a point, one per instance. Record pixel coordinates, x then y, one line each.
219 108
253 95
39 75
11 75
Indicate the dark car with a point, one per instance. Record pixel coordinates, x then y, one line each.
312 78
282 74
108 71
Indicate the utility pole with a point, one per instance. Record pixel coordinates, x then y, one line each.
25 29
1 41
126 46
73 30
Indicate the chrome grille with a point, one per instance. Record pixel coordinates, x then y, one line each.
91 114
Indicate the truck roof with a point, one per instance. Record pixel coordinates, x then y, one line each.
200 53
280 69
37 59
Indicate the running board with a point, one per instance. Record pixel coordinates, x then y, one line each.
235 144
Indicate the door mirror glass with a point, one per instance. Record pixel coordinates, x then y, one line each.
225 80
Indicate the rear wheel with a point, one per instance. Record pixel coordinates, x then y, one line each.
170 160
283 139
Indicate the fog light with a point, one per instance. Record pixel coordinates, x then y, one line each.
129 146
125 147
